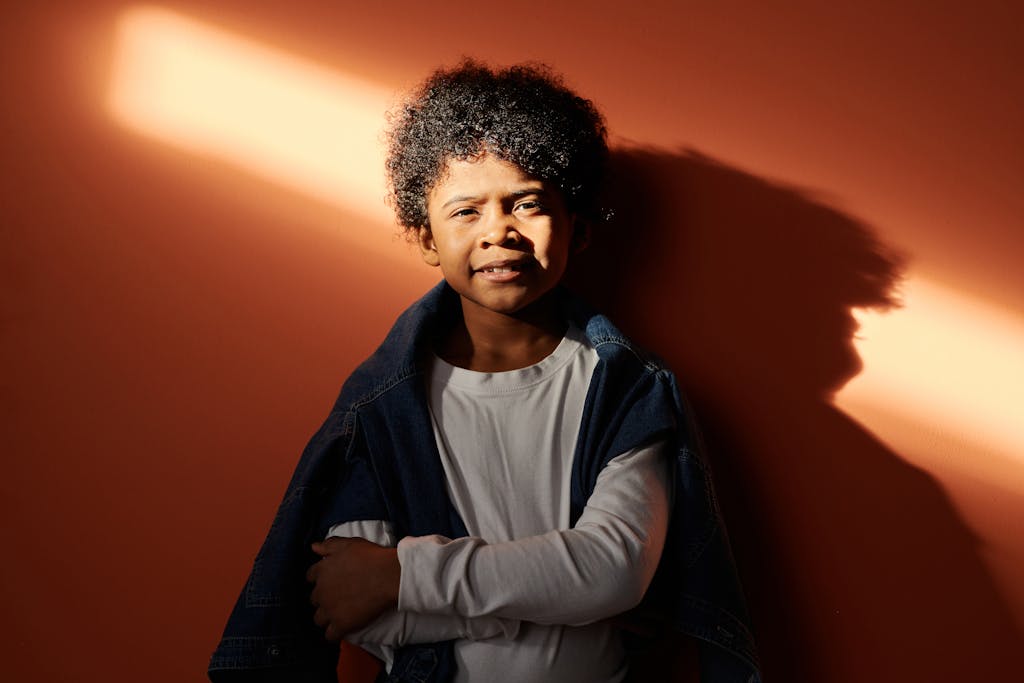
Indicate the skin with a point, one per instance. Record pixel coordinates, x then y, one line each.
484 213
354 582
488 212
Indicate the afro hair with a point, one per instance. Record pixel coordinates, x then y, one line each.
523 114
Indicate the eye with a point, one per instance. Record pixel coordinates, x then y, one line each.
529 206
463 212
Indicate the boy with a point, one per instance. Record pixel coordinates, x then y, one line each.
498 481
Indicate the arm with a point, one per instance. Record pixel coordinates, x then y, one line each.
396 628
599 568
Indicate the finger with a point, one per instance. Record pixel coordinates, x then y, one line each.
316 592
333 544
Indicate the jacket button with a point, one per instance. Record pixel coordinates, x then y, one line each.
273 651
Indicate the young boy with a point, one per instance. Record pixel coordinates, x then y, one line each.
498 481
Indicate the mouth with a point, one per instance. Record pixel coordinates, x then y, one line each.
499 267
504 272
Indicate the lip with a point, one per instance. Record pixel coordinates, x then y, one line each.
494 271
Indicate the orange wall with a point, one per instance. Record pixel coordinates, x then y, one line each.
173 327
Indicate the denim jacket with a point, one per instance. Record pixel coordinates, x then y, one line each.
375 457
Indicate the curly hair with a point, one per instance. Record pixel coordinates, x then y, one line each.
523 114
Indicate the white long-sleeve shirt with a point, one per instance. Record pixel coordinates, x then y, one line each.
525 596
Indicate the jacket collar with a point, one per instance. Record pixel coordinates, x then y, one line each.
412 337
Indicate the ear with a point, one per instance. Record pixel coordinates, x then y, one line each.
427 247
580 234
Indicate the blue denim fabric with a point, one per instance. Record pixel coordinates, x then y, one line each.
375 457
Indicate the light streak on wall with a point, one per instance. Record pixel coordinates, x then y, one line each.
944 361
953 366
216 94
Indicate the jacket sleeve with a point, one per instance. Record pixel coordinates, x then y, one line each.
270 634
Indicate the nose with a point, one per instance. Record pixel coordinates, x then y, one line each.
499 229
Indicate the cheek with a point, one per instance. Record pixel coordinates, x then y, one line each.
453 260
555 262
558 250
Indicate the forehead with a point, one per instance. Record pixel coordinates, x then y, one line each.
481 175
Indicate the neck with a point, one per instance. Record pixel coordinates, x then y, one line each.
488 341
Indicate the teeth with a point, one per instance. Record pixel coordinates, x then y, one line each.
503 269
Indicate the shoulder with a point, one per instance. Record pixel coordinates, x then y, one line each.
629 381
400 357
611 344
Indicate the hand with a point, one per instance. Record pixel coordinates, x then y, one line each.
353 583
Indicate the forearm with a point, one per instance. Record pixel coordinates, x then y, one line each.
597 569
395 628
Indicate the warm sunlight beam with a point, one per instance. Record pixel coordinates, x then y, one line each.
953 366
216 94
945 364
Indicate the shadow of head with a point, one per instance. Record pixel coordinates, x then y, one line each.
734 279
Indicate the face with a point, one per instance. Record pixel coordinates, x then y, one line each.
501 237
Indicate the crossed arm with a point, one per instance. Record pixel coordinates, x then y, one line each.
432 588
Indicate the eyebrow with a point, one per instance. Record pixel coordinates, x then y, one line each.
460 198
522 192
529 190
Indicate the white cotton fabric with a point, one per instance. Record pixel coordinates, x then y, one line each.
527 597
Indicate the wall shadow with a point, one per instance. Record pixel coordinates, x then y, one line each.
856 565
